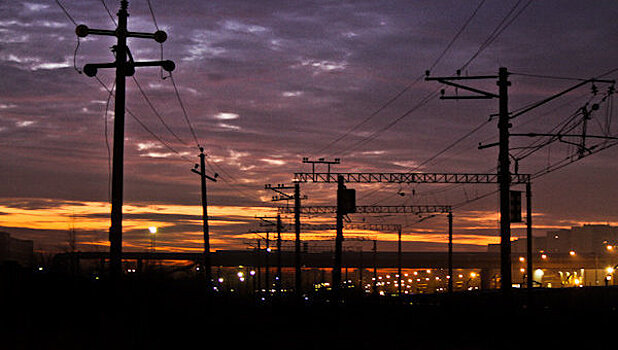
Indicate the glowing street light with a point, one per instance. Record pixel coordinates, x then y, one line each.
572 253
153 238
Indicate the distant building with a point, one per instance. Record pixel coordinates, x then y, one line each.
579 239
16 250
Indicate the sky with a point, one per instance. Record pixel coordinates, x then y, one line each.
265 84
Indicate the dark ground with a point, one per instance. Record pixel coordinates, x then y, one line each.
46 311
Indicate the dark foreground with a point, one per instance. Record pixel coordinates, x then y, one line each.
53 312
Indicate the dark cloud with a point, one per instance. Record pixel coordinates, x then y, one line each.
298 75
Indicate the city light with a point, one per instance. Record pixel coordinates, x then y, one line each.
609 270
252 273
472 274
610 247
572 253
576 281
544 256
522 259
220 280
240 274
522 270
152 229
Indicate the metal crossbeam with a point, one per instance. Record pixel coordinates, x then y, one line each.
372 209
325 227
408 178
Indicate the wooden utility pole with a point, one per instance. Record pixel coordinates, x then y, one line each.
123 68
206 261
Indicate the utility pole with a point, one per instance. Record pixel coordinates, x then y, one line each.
279 228
279 277
529 279
504 179
450 252
346 204
280 196
298 282
206 259
267 264
375 267
124 68
400 276
259 265
338 241
504 171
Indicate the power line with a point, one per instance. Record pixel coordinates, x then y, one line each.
154 110
240 191
409 86
109 13
498 30
184 110
376 112
375 134
66 12
478 7
139 121
109 152
152 14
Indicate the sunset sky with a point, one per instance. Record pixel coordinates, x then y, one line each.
266 83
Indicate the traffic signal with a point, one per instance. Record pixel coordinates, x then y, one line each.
516 206
347 198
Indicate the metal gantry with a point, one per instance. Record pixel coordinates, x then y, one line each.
408 178
372 209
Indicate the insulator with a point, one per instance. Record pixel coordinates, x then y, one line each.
160 36
81 30
168 65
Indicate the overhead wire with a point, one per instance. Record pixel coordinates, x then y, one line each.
141 123
109 13
109 151
376 133
503 25
66 13
188 121
156 113
184 110
409 86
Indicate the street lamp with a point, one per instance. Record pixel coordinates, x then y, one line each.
153 238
